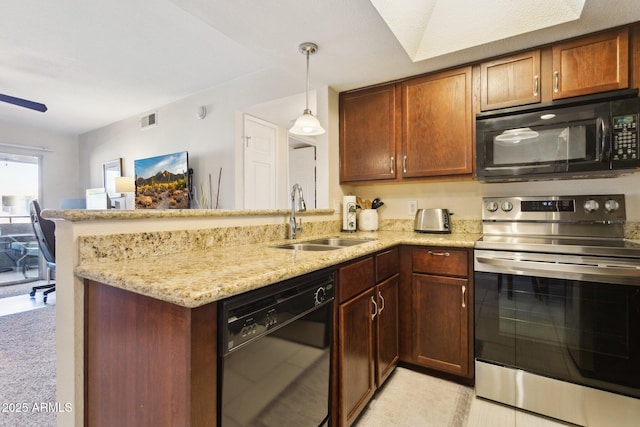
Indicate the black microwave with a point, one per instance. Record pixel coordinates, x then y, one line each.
578 138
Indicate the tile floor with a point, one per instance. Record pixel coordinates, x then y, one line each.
482 413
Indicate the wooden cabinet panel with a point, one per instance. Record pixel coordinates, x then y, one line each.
442 261
437 125
145 353
369 133
355 278
441 304
591 64
387 264
387 346
510 81
356 355
368 344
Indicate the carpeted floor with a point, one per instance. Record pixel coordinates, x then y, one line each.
411 399
28 366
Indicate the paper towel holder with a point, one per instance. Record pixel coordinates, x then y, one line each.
349 209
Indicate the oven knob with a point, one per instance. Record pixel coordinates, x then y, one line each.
507 206
611 205
591 206
492 206
319 295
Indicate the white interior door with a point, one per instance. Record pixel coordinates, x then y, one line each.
302 170
260 162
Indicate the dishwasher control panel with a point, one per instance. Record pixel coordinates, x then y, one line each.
254 314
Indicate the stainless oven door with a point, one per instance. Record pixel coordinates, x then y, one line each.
572 318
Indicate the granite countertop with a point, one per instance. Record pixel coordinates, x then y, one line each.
77 215
193 279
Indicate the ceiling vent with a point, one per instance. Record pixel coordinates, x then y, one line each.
148 120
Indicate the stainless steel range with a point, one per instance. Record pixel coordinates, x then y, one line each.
557 308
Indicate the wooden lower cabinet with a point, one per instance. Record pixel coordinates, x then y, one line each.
442 315
368 345
437 331
148 362
357 382
387 345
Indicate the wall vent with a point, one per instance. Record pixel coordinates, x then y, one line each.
149 120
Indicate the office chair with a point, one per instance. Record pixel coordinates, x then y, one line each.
44 230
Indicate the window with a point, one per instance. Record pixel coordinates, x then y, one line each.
19 183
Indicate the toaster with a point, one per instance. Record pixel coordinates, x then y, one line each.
432 221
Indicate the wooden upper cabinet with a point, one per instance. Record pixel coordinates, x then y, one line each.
510 81
437 125
368 133
591 64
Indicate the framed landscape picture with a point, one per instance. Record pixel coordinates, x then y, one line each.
162 182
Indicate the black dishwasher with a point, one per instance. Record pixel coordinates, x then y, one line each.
274 359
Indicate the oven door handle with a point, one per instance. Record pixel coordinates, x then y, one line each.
567 268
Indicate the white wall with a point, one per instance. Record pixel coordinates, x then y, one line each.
210 142
60 174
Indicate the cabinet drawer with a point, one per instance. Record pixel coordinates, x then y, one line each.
386 264
355 278
442 261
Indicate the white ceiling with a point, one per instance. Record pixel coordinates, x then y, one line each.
425 27
94 63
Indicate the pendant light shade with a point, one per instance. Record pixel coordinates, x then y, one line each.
307 123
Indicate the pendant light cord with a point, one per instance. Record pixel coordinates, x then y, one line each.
307 92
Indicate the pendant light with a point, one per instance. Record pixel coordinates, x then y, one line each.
307 124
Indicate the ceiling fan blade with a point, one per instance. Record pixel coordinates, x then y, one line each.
23 103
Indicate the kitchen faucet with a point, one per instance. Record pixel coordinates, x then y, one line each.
301 208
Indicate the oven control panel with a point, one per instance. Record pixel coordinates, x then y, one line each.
608 208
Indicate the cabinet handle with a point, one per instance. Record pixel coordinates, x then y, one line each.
393 165
439 253
375 308
464 296
536 82
382 300
404 164
556 80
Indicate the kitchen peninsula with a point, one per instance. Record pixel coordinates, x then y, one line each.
186 260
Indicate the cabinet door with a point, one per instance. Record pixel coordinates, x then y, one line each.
387 346
368 133
356 355
441 323
436 125
510 81
592 64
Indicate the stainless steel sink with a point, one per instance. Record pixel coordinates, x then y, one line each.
339 241
306 247
326 244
